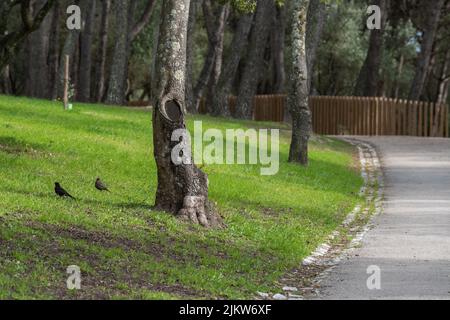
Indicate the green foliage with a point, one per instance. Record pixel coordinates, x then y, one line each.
126 249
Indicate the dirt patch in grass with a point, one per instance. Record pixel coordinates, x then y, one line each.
11 145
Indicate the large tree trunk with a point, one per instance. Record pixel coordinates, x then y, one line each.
84 77
255 58
100 68
189 90
298 93
277 40
314 29
182 188
433 13
215 28
367 83
230 68
116 87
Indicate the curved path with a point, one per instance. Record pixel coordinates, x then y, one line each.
410 241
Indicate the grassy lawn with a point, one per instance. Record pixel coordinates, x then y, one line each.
123 247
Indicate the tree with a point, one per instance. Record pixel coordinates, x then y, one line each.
367 83
298 92
11 39
84 90
432 10
182 188
255 58
100 69
231 65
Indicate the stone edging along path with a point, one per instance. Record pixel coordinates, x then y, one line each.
304 281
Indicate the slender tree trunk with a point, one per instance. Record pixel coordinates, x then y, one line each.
230 68
116 87
314 29
215 29
70 45
398 76
433 13
102 52
278 37
367 83
182 188
444 79
192 21
217 67
255 58
298 93
84 90
54 52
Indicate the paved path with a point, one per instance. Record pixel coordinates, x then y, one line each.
410 242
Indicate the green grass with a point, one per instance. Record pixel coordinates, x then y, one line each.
124 248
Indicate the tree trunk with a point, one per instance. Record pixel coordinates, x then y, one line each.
37 82
255 58
367 83
70 45
116 87
84 77
314 29
442 91
102 52
189 90
54 52
217 66
278 39
230 68
298 93
433 13
215 29
182 189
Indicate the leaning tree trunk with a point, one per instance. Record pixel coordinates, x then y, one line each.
182 188
433 12
255 58
298 93
230 68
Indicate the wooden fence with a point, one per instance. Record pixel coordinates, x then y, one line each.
359 115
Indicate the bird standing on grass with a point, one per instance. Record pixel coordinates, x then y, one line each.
100 185
61 192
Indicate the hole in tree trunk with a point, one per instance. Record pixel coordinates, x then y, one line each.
172 110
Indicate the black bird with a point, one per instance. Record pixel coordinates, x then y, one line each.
61 192
100 185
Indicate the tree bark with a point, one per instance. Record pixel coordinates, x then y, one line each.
189 90
182 189
215 29
84 77
433 13
444 79
54 52
298 93
116 87
278 39
314 29
230 68
37 82
255 58
102 52
367 83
